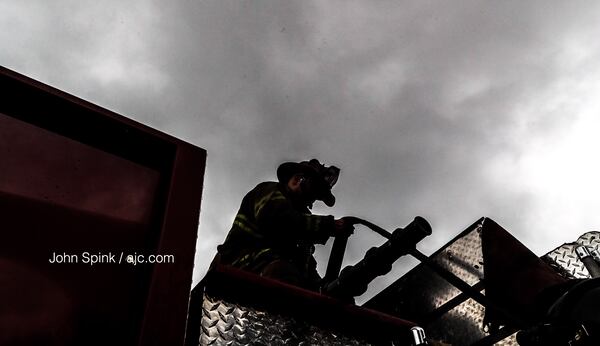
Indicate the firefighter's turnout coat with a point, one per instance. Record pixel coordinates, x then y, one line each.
271 225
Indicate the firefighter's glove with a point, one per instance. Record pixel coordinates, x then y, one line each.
343 227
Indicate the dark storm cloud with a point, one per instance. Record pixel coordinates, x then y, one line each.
426 106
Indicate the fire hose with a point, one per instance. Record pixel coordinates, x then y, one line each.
353 280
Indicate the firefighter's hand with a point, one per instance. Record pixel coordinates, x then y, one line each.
343 227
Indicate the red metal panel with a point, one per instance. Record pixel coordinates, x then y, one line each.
179 239
514 276
77 179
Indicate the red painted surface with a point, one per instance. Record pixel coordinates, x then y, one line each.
77 179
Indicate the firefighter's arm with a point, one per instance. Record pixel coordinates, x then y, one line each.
278 217
343 227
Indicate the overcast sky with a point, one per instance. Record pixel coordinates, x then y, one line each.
451 110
